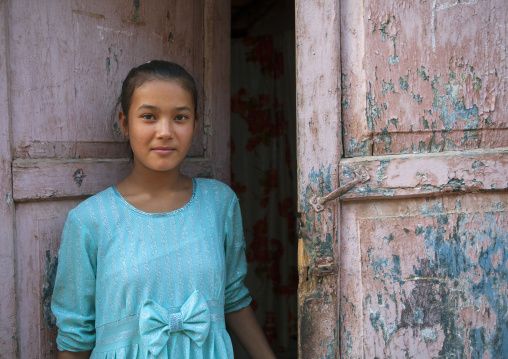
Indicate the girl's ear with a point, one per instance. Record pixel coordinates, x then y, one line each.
122 122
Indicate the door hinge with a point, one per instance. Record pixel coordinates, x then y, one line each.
361 176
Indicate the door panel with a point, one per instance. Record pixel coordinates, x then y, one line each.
427 85
421 246
61 77
423 242
39 226
431 280
71 58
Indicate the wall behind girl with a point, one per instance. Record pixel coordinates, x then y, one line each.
154 266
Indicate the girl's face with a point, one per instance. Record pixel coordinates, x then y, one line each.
161 125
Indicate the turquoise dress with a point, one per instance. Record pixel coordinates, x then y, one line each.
132 284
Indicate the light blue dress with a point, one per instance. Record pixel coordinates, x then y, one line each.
132 284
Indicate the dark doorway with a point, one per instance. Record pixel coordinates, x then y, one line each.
263 161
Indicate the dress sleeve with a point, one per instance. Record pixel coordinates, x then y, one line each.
236 294
73 301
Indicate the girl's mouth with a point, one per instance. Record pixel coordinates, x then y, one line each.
163 150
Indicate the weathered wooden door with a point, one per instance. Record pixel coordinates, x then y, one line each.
61 67
414 262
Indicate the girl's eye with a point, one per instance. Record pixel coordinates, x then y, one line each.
181 117
147 116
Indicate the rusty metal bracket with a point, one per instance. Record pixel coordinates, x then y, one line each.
361 176
324 266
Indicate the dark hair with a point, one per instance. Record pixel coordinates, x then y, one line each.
156 70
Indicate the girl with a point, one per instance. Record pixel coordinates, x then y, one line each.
153 267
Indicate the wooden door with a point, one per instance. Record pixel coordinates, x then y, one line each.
414 262
61 67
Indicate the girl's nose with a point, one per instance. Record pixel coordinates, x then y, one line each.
165 129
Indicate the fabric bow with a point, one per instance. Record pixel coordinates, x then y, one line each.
156 323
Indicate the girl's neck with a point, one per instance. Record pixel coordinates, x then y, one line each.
156 192
148 181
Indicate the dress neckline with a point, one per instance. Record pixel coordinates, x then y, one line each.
163 214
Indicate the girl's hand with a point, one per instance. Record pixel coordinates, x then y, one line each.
249 333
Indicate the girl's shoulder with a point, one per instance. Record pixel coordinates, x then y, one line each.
90 207
216 187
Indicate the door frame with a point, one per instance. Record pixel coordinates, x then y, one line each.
319 151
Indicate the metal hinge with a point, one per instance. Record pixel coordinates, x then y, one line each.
361 176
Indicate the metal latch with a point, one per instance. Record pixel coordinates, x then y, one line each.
361 176
324 266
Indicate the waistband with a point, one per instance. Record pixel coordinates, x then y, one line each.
126 331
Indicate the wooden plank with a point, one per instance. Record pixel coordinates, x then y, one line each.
422 277
428 174
217 86
71 58
39 229
69 178
8 335
429 86
319 151
357 137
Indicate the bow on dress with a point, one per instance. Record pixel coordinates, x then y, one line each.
156 324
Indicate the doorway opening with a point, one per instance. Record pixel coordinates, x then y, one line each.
263 161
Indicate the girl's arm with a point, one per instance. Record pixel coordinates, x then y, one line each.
249 333
74 355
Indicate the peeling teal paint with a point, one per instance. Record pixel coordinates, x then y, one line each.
344 88
403 82
378 322
385 138
451 278
451 262
425 123
417 97
477 164
381 171
388 86
395 58
320 184
421 71
383 27
373 110
357 149
449 115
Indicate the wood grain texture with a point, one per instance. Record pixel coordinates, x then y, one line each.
79 178
71 59
428 174
420 276
217 86
319 150
435 77
39 227
8 325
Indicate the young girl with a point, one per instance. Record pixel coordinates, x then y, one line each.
153 267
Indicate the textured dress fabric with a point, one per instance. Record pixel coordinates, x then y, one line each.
132 284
